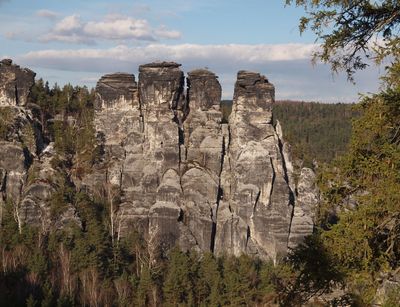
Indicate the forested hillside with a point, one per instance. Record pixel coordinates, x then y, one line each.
352 257
83 266
82 263
316 131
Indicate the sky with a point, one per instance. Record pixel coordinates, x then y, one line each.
77 41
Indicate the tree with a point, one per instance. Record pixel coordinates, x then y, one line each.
314 272
363 187
178 284
209 283
351 30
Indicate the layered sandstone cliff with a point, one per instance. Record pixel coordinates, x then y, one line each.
169 168
257 205
190 180
27 177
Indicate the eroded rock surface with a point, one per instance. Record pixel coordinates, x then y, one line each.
168 167
15 84
27 178
202 155
189 179
255 214
18 138
304 211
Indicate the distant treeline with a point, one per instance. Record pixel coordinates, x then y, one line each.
316 131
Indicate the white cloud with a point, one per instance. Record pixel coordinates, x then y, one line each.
118 29
288 66
69 30
68 25
165 33
217 56
47 14
72 29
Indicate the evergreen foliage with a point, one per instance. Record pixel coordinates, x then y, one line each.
360 214
352 31
363 187
317 132
359 218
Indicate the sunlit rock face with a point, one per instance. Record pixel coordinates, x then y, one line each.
255 213
202 154
15 84
18 140
190 180
27 178
117 122
167 166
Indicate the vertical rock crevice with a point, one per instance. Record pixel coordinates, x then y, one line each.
203 145
219 198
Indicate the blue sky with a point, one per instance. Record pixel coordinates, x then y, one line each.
77 41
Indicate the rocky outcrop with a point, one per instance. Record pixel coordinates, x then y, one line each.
18 134
186 178
13 166
117 90
15 84
27 177
255 214
18 139
38 206
117 121
307 199
168 167
202 155
137 127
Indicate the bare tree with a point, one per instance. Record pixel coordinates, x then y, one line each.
90 287
112 195
67 279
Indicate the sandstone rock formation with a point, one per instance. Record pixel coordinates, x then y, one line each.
257 206
185 177
306 201
202 155
17 139
15 84
27 178
168 167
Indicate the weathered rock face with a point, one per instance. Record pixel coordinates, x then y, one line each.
304 211
15 84
168 166
13 168
27 178
255 214
138 128
188 179
116 91
160 92
202 155
18 139
117 121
